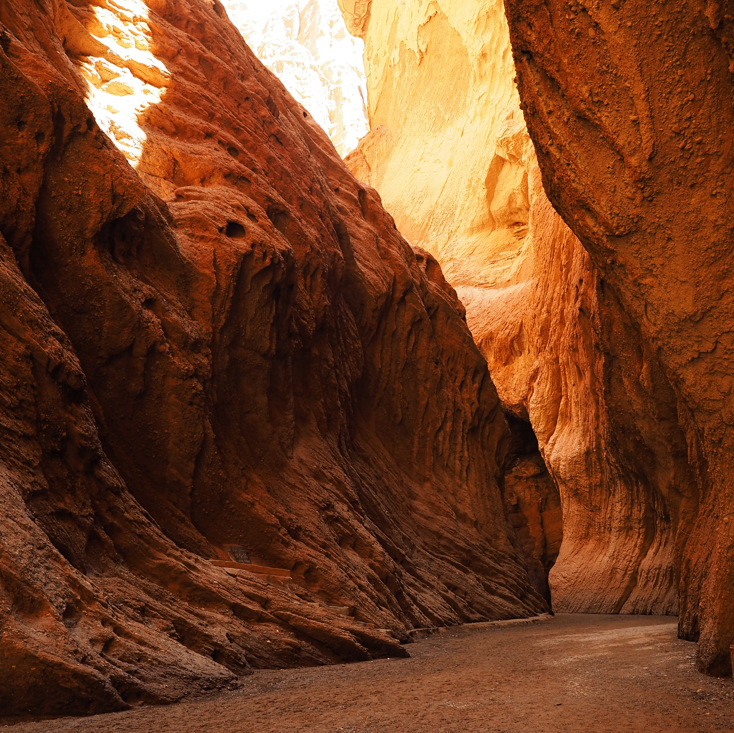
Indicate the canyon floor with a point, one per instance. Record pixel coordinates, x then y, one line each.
569 674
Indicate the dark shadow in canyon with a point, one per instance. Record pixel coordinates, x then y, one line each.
532 502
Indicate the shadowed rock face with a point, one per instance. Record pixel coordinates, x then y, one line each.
229 354
532 503
630 106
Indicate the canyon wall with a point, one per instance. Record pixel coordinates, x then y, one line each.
439 81
305 43
630 106
243 424
451 157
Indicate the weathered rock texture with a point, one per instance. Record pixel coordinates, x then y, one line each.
631 108
441 98
307 45
228 355
452 159
561 348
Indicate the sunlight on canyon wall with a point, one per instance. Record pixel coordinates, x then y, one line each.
305 43
121 90
229 352
453 162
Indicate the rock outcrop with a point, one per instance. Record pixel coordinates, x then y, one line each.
451 157
630 106
305 43
243 424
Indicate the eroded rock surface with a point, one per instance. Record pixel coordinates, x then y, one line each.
560 346
229 355
630 106
446 140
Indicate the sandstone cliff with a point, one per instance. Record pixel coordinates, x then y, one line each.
630 106
452 160
307 45
217 349
561 347
439 80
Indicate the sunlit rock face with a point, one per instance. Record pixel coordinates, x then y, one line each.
446 143
450 154
307 45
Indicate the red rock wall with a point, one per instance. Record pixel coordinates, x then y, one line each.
231 346
630 106
564 352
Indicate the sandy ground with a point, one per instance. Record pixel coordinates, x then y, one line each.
570 674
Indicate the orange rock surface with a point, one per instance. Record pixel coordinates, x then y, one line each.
560 346
631 106
217 347
451 157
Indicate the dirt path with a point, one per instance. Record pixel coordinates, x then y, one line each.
570 674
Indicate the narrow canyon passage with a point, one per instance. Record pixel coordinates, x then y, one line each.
568 674
330 323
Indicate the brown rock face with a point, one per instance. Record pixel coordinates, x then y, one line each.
447 152
229 355
630 106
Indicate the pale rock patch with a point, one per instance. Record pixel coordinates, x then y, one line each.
305 43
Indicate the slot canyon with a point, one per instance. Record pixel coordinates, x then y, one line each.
341 331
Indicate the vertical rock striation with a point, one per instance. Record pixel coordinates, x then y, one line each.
630 106
532 503
217 349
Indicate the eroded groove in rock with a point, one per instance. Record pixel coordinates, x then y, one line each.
630 106
224 352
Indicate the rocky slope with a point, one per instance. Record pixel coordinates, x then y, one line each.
243 424
462 180
307 45
630 106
